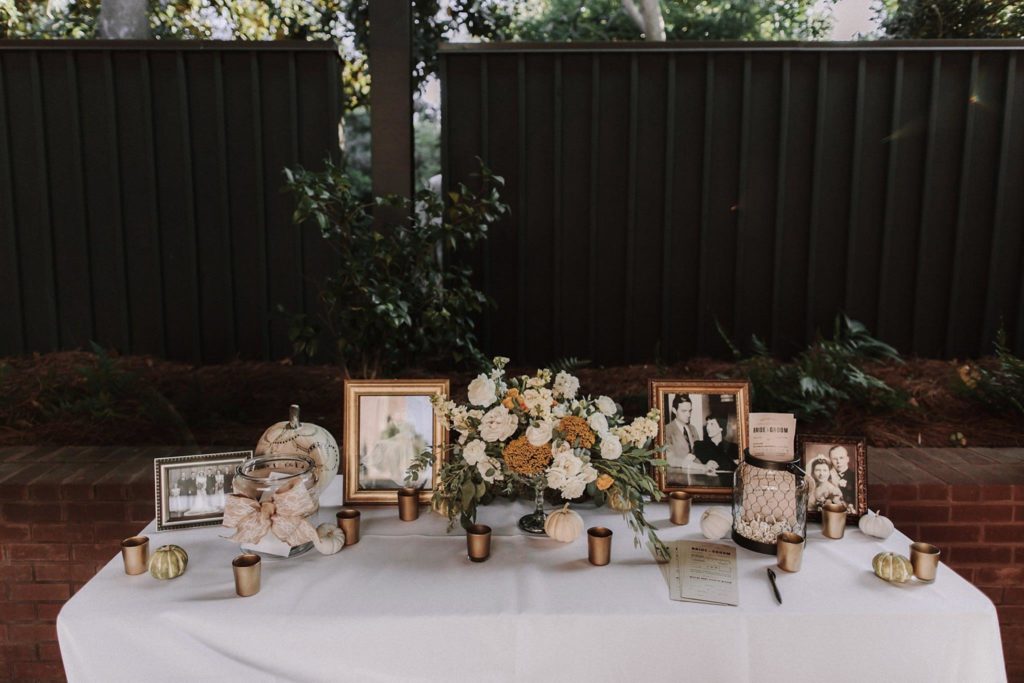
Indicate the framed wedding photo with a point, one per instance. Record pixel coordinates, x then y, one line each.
837 472
191 489
387 424
703 428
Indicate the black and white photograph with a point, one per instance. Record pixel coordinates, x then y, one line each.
192 490
387 425
703 432
836 469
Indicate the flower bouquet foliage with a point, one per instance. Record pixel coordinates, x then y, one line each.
538 433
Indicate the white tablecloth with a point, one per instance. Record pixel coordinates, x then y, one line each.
406 604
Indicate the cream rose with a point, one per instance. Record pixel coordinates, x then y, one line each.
611 447
540 434
474 452
490 470
498 424
606 405
598 422
482 391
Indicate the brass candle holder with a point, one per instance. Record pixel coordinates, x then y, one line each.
478 542
599 545
789 550
833 520
408 503
135 553
247 574
348 521
924 557
679 507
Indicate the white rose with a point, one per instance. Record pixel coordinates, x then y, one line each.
474 452
498 424
481 391
598 422
490 470
606 405
588 474
568 464
611 447
574 488
556 479
560 448
566 385
541 434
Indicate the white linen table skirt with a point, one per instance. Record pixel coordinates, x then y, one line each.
406 604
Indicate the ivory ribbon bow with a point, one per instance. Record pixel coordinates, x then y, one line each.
284 515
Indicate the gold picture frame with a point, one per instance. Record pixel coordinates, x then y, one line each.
701 462
372 461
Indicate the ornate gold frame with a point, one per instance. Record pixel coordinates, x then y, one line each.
740 389
356 389
860 443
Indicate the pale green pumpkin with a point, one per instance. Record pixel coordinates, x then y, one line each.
892 567
168 562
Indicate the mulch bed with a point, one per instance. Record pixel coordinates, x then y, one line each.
73 398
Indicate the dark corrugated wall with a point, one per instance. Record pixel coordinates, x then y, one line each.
140 201
765 186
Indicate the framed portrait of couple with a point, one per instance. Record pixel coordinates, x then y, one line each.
388 425
703 432
837 472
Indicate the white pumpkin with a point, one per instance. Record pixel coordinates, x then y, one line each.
330 538
297 438
892 567
564 525
874 524
716 522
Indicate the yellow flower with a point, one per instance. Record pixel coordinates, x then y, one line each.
604 482
576 431
526 459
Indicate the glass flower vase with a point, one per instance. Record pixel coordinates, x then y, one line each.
533 523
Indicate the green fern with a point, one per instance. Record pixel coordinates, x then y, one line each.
571 365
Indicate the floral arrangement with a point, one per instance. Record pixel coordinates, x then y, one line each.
539 433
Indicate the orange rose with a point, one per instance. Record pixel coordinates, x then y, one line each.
507 402
604 482
513 392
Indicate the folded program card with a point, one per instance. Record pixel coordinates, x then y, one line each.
703 572
772 435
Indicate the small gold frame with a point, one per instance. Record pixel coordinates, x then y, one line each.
355 390
661 388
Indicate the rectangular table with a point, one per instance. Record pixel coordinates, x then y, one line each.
406 604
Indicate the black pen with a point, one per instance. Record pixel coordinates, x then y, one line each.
775 588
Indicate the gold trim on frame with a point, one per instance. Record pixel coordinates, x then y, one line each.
356 389
740 389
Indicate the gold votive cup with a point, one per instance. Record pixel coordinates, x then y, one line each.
478 542
789 550
408 503
924 557
679 507
833 520
247 574
135 553
599 545
348 521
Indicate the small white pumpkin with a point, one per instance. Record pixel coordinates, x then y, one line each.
564 525
168 562
330 538
716 522
874 524
892 567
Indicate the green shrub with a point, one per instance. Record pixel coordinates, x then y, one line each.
823 377
398 298
1001 388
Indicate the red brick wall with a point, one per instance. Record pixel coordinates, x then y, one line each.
63 513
